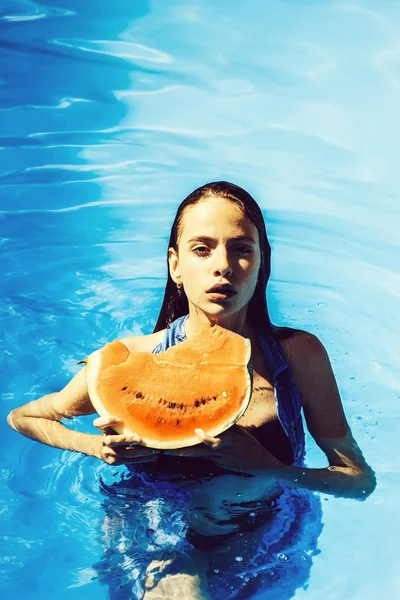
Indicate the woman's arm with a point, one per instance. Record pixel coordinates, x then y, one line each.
348 474
41 419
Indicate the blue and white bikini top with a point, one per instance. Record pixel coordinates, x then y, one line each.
288 399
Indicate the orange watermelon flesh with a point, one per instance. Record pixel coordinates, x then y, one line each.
204 382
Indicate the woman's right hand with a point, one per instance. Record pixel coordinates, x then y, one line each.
116 449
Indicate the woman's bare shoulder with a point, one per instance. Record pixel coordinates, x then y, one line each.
143 343
302 346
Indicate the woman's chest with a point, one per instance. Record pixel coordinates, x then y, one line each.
262 407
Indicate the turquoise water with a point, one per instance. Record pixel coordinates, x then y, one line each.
110 113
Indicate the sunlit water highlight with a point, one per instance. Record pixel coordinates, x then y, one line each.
110 113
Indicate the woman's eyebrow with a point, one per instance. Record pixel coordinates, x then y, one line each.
201 238
208 239
243 238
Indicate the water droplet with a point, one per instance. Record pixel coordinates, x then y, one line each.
295 480
321 304
282 556
252 514
216 571
352 378
310 311
238 494
238 558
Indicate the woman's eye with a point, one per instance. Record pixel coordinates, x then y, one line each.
205 251
243 249
201 250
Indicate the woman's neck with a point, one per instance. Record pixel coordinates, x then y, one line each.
198 319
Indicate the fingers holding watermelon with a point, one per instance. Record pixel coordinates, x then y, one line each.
107 424
210 448
119 449
236 449
211 442
123 454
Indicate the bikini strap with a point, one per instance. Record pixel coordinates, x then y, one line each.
174 334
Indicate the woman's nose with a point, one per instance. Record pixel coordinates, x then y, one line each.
222 266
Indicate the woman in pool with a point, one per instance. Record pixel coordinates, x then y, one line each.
219 266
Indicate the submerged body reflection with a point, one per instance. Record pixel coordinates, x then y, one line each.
153 544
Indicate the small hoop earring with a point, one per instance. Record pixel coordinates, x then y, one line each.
179 288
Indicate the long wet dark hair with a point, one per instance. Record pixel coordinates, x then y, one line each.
175 303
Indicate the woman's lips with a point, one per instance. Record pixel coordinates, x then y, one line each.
218 295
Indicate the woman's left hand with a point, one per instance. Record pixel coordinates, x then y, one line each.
236 449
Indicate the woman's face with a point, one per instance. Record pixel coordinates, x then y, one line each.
218 258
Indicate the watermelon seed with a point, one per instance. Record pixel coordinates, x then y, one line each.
172 405
139 395
197 403
124 388
214 397
181 406
224 394
203 401
178 422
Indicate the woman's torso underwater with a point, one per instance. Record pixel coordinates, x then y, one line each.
221 500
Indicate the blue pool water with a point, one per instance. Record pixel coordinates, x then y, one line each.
110 113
